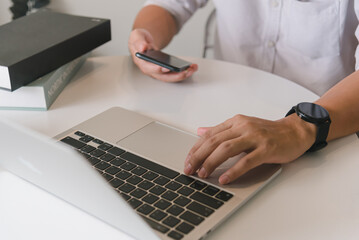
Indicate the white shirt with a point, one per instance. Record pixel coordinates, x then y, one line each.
310 42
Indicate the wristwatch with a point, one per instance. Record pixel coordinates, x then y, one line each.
317 115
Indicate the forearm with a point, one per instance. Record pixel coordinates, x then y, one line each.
342 103
159 22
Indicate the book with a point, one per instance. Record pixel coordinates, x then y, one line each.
39 43
40 94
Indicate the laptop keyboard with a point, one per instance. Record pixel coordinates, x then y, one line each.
170 202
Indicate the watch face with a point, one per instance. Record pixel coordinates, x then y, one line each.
313 111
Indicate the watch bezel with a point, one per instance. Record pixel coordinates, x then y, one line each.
320 115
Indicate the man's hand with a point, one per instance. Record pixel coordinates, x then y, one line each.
263 141
141 40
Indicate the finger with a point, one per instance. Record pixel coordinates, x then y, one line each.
165 70
175 76
245 164
206 148
223 152
210 131
170 76
202 130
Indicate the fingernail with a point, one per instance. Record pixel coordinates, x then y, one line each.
187 159
224 179
188 169
201 131
202 173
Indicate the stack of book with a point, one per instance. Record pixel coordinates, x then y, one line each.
41 52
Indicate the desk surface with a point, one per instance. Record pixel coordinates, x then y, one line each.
315 197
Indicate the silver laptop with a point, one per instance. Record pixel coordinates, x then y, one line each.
127 171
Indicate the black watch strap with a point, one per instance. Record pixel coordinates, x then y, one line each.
321 139
322 129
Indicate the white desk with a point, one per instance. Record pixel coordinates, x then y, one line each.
315 197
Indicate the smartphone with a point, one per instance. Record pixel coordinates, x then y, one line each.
164 60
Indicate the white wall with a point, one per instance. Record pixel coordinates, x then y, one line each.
5 14
122 13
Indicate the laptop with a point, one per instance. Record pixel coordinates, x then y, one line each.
126 169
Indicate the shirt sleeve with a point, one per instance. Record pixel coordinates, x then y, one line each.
181 10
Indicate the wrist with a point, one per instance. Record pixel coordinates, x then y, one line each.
305 132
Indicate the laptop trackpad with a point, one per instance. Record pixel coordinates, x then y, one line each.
160 143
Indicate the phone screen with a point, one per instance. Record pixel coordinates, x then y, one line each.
165 60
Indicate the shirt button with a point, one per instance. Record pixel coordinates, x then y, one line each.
274 3
270 44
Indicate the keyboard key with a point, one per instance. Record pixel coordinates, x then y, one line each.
198 185
175 210
126 188
210 190
86 155
134 179
206 200
171 221
117 162
182 201
116 182
185 228
146 185
105 146
184 179
150 198
138 193
157 190
225 196
139 171
88 148
102 165
175 235
200 209
173 185
192 218
112 170
162 204
145 209
107 157
73 142
156 225
107 176
134 203
128 166
97 153
80 134
150 165
125 196
150 175
116 151
169 195
186 191
161 180
86 138
158 215
94 160
123 175
98 141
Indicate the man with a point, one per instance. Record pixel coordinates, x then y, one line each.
309 42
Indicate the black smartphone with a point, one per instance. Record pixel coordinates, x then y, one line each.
164 60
